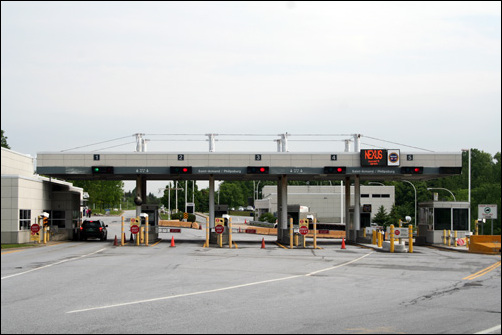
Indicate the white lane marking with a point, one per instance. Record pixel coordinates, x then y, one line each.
48 265
215 290
489 330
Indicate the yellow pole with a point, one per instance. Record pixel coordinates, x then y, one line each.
230 233
146 233
455 237
380 239
315 233
410 241
207 233
220 240
291 233
138 235
391 238
373 237
444 236
449 238
122 233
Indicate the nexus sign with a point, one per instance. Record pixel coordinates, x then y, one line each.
374 157
380 157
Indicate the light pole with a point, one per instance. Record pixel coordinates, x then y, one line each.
469 151
441 188
416 224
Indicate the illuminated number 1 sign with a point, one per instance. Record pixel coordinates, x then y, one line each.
374 157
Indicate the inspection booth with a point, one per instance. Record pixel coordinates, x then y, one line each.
436 216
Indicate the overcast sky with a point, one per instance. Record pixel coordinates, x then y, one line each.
422 74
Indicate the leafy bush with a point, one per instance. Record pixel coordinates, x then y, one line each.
267 217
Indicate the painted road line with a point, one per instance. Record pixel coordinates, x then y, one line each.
483 272
48 265
215 290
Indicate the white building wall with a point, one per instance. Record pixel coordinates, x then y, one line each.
23 190
326 201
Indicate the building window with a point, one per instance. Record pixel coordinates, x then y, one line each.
460 219
24 219
365 195
442 218
385 195
376 195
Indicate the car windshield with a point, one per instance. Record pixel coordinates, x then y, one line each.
91 224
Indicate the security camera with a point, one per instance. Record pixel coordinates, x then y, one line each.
408 218
45 214
143 215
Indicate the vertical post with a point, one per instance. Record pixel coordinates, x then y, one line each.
357 207
291 233
230 233
211 201
138 234
391 238
444 236
449 238
410 241
147 230
207 233
122 232
373 237
380 239
315 233
455 238
347 206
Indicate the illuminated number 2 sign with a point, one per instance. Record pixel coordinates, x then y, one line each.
374 157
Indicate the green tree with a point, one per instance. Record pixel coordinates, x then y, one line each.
102 193
4 141
381 217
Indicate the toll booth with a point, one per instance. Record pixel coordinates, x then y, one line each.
436 216
153 220
219 210
190 208
364 221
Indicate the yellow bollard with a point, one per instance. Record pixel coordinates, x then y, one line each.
410 241
315 233
206 245
449 238
122 233
444 236
291 233
147 230
455 237
391 238
230 233
380 239
373 237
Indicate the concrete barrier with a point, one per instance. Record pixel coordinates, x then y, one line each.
485 244
178 223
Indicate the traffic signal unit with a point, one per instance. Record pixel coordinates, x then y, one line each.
102 170
412 170
335 170
180 170
258 170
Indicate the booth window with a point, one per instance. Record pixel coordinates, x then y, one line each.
460 219
442 218
24 219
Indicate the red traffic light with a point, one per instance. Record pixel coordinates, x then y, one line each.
258 170
412 170
335 170
180 169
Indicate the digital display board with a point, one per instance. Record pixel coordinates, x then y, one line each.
374 157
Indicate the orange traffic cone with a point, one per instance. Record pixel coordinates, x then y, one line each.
343 243
172 241
115 242
263 243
